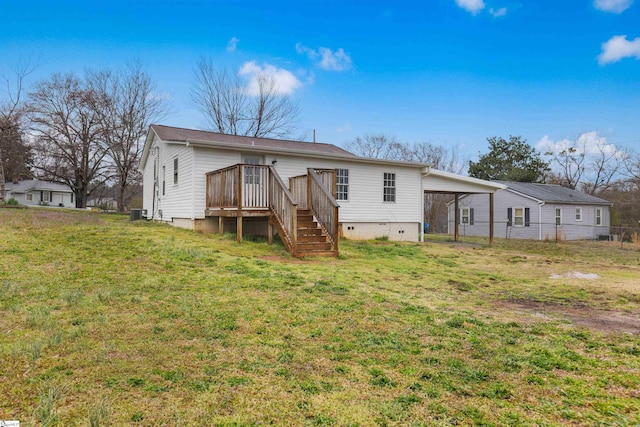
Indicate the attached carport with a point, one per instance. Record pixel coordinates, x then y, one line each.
438 182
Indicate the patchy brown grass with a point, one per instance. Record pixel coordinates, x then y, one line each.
110 322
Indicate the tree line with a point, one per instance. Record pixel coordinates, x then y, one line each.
87 131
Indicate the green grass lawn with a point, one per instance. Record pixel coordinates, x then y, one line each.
104 321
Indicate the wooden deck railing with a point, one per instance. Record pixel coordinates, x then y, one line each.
323 205
224 191
246 190
298 188
284 209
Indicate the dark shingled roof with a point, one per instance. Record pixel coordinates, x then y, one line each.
36 185
168 133
552 193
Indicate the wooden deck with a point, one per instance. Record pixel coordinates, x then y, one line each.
307 220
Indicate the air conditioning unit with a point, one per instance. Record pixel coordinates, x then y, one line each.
135 214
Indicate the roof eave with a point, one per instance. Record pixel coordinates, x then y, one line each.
297 152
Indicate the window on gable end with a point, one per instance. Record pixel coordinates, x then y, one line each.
389 187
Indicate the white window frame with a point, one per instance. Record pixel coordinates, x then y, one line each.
342 184
598 216
389 187
29 197
558 216
465 216
578 214
516 217
251 175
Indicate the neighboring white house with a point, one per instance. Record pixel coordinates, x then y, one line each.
535 211
376 198
43 193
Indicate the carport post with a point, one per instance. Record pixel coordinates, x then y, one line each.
457 219
490 218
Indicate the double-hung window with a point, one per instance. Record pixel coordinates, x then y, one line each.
251 171
175 171
163 179
578 214
342 184
389 187
558 216
518 217
466 216
598 216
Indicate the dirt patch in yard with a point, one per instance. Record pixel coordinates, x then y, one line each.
600 320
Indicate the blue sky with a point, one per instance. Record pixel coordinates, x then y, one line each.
450 72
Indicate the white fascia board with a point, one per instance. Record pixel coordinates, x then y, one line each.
488 185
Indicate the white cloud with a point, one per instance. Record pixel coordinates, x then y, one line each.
326 58
587 143
619 47
344 128
286 82
473 6
233 43
497 13
614 6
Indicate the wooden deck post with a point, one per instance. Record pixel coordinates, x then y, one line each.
309 198
490 218
269 232
239 218
221 225
457 219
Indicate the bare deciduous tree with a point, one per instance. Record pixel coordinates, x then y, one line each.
125 104
13 152
68 144
588 163
378 146
228 105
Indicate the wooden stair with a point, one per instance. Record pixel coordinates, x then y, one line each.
312 239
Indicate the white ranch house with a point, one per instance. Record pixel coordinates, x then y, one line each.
534 211
309 193
33 192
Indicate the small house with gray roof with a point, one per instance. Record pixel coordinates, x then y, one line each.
36 192
535 211
310 194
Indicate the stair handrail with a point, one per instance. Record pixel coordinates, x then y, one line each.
323 205
284 209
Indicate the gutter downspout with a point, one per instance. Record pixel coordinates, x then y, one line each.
422 205
540 204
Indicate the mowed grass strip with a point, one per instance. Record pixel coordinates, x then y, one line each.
109 322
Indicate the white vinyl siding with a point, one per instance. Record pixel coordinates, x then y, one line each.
365 203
